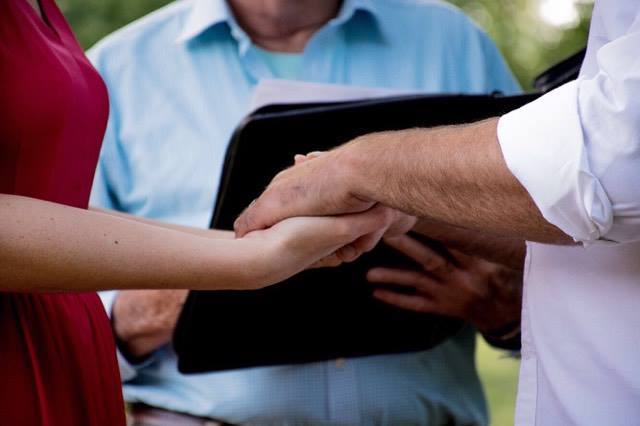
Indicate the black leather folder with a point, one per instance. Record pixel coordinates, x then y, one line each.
319 314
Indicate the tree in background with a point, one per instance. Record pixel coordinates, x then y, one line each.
532 34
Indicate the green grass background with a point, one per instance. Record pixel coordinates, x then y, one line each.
499 375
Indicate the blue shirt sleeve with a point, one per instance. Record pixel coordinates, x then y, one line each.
109 173
101 194
498 74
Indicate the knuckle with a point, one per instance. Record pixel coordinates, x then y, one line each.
268 200
279 176
434 264
347 253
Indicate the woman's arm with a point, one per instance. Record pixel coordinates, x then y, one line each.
50 247
208 233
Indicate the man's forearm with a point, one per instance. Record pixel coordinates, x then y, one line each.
504 250
453 174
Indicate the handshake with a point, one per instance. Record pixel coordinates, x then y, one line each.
317 220
313 239
328 209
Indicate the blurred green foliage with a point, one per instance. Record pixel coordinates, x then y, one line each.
93 19
499 375
529 43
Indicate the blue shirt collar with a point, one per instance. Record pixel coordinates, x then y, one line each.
205 14
202 15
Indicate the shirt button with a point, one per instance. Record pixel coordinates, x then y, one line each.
340 362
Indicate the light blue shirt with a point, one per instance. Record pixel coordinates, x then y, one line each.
179 81
286 66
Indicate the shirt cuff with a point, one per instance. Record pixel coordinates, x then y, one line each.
544 148
128 370
507 337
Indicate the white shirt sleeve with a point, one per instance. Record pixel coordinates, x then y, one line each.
577 149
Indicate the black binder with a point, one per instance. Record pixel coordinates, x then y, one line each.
319 314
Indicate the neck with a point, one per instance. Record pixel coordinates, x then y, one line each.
283 25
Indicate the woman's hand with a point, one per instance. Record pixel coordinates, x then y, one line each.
296 244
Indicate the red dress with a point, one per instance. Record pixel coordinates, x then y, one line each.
57 356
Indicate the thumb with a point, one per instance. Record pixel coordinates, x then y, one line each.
258 215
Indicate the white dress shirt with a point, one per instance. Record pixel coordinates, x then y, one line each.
577 152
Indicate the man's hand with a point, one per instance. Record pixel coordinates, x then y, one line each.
309 188
272 207
144 320
485 294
